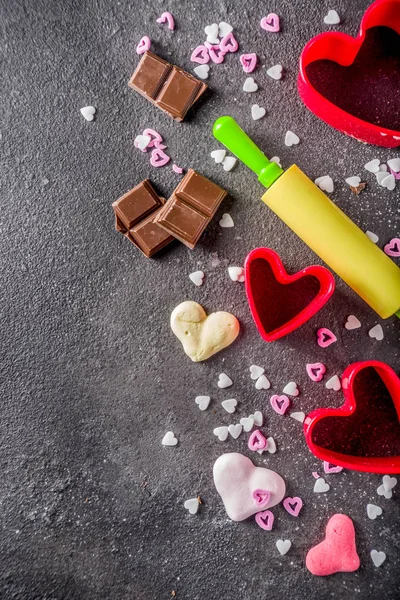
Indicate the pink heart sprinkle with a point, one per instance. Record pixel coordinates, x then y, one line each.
248 62
395 175
262 497
315 475
166 17
280 404
217 55
177 169
144 45
325 337
393 247
155 137
159 158
270 23
329 468
265 520
229 43
200 55
293 505
159 145
257 441
315 371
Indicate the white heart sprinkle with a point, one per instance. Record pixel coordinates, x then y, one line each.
353 181
376 333
202 71
291 389
298 416
389 182
383 168
192 505
333 383
236 273
276 160
247 423
197 277
394 164
211 32
275 72
88 112
321 486
224 29
382 492
235 430
229 405
142 141
373 511
257 418
221 433
263 383
332 18
257 112
325 183
291 138
373 165
202 402
389 482
271 446
256 372
169 439
352 323
283 546
224 381
226 221
372 236
380 176
378 558
229 162
218 155
250 85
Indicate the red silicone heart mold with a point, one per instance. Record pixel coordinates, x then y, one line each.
343 50
364 433
279 302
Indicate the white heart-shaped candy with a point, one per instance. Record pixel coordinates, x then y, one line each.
235 430
378 558
257 112
221 433
352 323
333 383
202 71
394 164
247 423
250 85
373 511
256 372
325 183
383 492
291 389
257 418
202 402
275 72
197 278
276 160
224 29
211 32
373 165
283 546
226 220
321 486
389 482
192 505
224 381
376 333
88 112
389 182
236 273
298 416
263 383
169 439
353 181
229 162
218 155
332 18
142 141
291 139
271 445
372 236
229 405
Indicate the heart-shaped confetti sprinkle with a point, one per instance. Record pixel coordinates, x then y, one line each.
257 441
329 468
275 72
380 176
142 142
236 273
389 482
169 439
256 372
248 62
235 430
321 486
276 160
217 54
211 32
325 183
394 164
202 71
257 112
88 112
229 405
298 416
293 505
226 220
202 402
229 162
200 55
197 278
382 492
221 433
263 383
291 139
247 423
270 23
156 138
224 29
265 520
192 505
372 236
389 182
144 45
218 155
315 371
283 546
257 418
166 17
229 43
291 389
177 169
159 158
224 381
378 558
353 181
333 383
280 404
373 511
376 333
373 165
250 85
325 337
352 323
332 18
271 445
261 497
393 247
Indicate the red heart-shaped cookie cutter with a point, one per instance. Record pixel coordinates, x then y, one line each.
343 49
279 302
364 433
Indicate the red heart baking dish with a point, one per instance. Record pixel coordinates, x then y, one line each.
279 302
364 433
353 84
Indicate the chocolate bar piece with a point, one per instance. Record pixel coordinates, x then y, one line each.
171 89
134 218
190 208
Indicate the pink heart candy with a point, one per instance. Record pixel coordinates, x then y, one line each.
159 145
393 247
325 337
262 497
293 505
229 43
329 468
265 520
159 158
144 45
280 404
166 17
155 137
248 62
315 371
216 53
200 55
177 169
257 441
270 23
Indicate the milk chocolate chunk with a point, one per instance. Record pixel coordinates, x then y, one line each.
149 236
137 204
200 192
171 89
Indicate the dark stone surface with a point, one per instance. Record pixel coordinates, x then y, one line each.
92 377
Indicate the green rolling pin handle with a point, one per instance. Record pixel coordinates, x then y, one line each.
228 132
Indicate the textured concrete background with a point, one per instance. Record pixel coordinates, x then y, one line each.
92 377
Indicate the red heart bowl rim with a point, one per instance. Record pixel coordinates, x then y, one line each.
324 276
342 49
384 464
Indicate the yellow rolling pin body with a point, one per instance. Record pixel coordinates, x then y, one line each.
320 224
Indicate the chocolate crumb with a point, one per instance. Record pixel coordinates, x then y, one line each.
358 189
199 500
